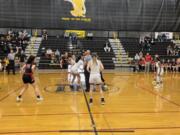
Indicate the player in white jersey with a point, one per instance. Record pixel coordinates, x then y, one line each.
159 73
69 76
95 67
82 77
74 69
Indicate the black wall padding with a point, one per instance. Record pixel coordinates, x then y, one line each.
122 15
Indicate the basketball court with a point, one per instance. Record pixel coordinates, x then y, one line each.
133 107
100 67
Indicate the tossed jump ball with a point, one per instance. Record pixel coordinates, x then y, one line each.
105 87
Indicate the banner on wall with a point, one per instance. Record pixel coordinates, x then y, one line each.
78 11
167 35
79 33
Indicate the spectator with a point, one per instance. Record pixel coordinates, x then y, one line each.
148 60
53 58
137 57
11 65
49 53
89 35
142 64
64 61
141 45
5 63
152 41
174 65
169 65
74 37
66 35
43 51
107 47
136 60
176 50
79 45
140 55
169 50
6 48
44 35
57 55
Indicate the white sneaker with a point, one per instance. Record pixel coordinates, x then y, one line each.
18 99
157 86
102 101
154 82
39 99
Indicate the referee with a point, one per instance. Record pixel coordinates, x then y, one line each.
11 58
87 58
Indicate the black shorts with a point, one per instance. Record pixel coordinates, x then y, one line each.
27 79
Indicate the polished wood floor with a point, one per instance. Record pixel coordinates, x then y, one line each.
133 107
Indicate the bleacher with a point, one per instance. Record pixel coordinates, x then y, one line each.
131 45
95 45
52 43
2 54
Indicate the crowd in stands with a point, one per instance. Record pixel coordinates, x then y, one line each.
11 59
107 47
12 46
146 43
147 63
57 57
14 39
54 56
71 36
173 50
162 37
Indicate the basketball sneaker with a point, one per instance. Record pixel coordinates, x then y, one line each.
39 98
19 99
102 101
90 101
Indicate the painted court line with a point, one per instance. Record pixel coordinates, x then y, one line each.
90 114
113 130
95 113
156 94
9 93
70 131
